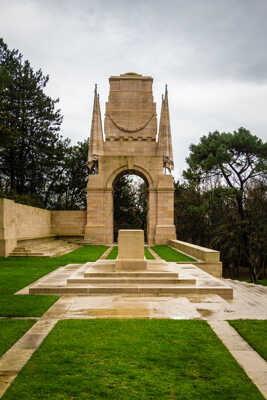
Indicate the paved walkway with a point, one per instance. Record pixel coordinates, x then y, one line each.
16 357
249 302
253 364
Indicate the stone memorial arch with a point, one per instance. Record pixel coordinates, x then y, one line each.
131 145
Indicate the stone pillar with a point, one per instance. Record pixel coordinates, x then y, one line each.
151 216
165 227
95 227
108 216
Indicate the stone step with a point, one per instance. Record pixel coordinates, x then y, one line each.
131 275
26 254
225 292
123 281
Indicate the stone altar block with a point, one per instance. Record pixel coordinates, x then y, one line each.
130 251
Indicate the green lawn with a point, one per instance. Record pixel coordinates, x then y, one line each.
11 331
169 254
25 305
18 272
254 332
132 359
148 255
114 254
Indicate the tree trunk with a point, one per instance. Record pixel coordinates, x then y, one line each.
245 240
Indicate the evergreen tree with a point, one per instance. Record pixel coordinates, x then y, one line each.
29 127
68 185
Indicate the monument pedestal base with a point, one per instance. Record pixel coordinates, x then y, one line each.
130 265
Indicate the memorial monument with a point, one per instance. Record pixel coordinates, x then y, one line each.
130 143
131 250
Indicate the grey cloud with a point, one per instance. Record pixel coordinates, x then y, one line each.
211 53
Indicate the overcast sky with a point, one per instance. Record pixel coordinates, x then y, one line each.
211 53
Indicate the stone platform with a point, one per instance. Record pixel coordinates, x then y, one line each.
159 279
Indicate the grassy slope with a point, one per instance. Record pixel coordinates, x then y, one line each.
11 331
18 272
169 254
254 332
132 359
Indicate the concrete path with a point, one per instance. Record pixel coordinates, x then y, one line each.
16 357
249 302
252 363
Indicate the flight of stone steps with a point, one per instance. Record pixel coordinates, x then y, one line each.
142 283
46 248
22 251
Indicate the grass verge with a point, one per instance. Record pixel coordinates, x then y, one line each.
113 254
254 332
148 255
169 254
11 331
18 272
132 359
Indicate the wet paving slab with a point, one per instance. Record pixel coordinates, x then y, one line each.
130 307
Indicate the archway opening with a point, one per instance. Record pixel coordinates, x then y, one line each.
130 203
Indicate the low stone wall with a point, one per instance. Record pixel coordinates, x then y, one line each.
22 223
207 259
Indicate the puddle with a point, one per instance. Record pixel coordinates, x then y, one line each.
111 312
204 312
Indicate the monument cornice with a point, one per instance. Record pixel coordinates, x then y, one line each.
131 76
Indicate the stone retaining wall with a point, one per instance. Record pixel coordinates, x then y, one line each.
19 222
31 222
68 223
